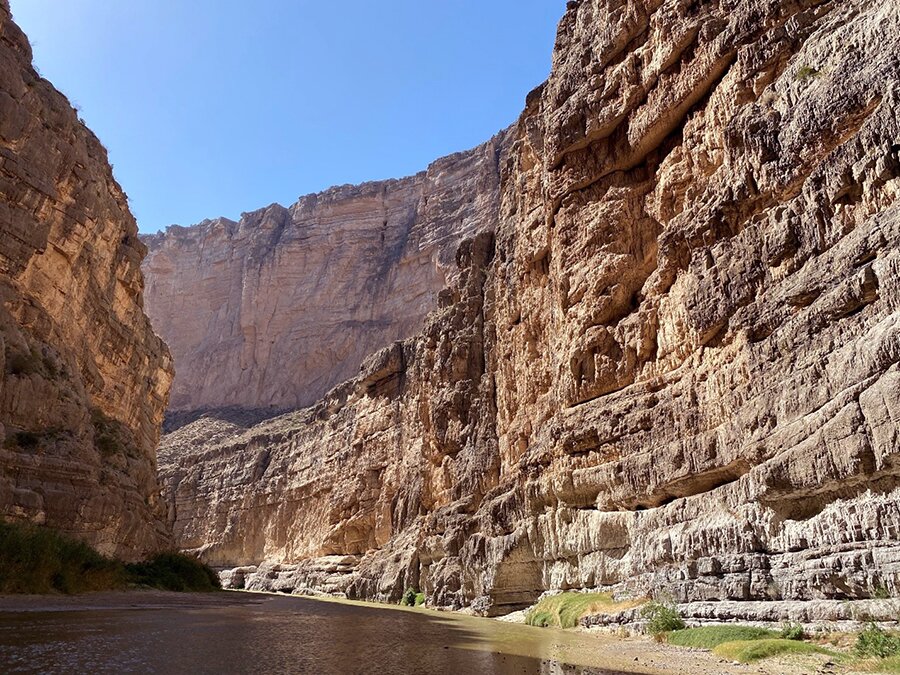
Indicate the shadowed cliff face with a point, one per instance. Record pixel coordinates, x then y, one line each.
672 364
274 310
83 378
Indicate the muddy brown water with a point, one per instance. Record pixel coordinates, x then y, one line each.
269 634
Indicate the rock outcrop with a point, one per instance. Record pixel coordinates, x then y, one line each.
672 365
83 378
273 311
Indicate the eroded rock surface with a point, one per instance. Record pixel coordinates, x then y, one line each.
672 365
83 378
275 310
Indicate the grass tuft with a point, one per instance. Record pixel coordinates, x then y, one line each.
565 610
708 637
747 651
888 665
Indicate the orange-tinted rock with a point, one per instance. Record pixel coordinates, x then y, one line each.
673 367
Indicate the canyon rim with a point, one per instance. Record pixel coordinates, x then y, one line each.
646 339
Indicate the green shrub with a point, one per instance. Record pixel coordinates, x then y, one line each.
420 599
661 618
792 631
707 637
408 599
38 560
873 641
174 572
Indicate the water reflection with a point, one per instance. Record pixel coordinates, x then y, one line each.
282 635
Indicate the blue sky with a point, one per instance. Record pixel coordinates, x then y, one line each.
215 107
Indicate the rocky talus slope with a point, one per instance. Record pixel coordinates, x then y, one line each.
275 310
83 378
671 364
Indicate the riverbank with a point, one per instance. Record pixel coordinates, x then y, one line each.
500 646
401 640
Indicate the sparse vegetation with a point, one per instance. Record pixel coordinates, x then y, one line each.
792 631
174 572
31 440
888 665
412 598
874 642
37 559
747 651
708 637
409 597
565 610
110 436
661 618
807 72
21 364
880 592
26 440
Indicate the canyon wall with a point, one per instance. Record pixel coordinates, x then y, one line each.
83 378
273 311
670 365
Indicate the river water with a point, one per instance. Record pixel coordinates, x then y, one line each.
269 634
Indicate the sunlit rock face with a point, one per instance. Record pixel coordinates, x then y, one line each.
274 310
671 365
83 378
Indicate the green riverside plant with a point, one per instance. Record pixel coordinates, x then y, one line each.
36 559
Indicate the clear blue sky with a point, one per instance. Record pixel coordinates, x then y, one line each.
215 107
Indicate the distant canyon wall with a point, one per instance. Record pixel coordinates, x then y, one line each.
83 378
274 310
671 364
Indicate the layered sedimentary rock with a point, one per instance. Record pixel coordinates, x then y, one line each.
274 310
83 378
671 366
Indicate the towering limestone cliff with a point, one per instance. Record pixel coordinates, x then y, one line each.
273 311
669 364
83 378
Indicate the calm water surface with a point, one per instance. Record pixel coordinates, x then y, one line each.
267 634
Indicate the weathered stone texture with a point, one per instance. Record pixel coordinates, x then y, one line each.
673 367
276 309
83 378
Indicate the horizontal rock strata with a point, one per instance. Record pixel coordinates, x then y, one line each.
671 365
273 311
83 378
